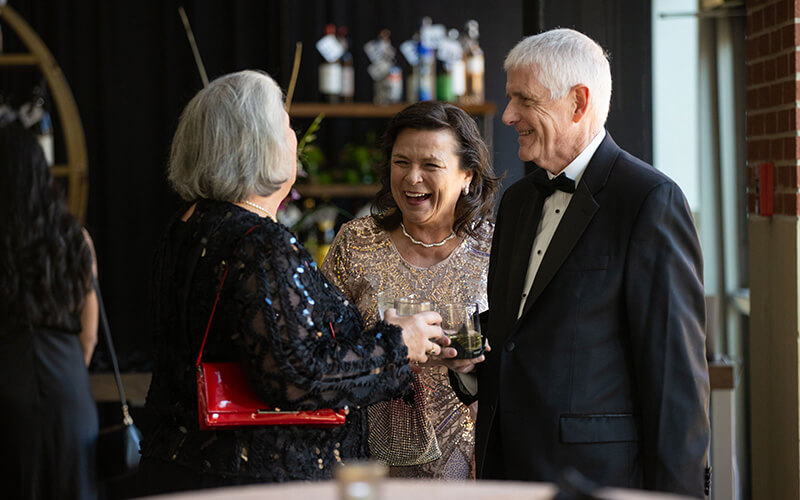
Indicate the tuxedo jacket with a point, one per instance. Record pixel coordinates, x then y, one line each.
605 371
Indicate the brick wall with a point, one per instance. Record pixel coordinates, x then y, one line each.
773 88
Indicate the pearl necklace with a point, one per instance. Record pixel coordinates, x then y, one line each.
427 245
259 207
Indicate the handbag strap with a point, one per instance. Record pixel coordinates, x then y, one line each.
126 416
216 300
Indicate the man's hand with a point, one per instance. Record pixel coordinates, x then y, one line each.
448 354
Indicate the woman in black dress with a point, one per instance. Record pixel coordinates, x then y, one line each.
48 326
302 345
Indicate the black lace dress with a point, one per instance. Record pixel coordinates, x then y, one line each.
301 342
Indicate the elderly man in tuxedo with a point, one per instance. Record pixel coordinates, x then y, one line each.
596 311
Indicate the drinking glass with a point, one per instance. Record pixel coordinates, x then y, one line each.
460 322
385 300
406 306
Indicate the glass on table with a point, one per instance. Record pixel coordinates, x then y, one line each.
460 322
406 306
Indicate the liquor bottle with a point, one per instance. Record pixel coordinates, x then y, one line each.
393 85
427 74
388 84
444 81
458 69
475 66
348 73
426 82
330 71
412 79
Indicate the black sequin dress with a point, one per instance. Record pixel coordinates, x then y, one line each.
301 342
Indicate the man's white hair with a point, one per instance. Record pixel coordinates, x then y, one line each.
562 58
231 140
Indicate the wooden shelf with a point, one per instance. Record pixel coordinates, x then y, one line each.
18 60
369 110
337 190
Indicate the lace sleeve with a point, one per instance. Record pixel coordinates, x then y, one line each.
301 340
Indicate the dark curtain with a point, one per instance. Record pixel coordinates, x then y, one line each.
131 72
623 29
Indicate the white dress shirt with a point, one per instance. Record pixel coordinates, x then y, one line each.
553 211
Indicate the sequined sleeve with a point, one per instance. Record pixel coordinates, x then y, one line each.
303 342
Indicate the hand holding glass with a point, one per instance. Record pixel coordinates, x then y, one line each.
461 324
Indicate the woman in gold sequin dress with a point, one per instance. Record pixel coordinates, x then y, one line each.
429 235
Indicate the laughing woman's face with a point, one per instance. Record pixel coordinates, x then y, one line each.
426 177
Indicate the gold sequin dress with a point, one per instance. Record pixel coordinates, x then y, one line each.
432 436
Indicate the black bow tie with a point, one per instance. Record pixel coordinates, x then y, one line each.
549 186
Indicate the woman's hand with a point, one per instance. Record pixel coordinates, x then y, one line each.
421 334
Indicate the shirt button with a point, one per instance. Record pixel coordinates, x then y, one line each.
558 210
510 346
538 252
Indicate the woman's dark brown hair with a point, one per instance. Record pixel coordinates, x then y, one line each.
45 262
473 209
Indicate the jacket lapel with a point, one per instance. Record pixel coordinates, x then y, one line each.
576 218
529 215
581 209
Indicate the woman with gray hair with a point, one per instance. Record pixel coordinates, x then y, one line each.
301 344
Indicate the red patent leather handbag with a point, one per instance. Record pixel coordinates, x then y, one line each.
226 400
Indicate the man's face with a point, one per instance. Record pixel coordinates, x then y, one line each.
548 135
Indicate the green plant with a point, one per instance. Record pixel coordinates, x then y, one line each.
309 155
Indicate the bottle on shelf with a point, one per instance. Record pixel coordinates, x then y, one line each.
444 81
426 85
348 72
458 67
330 70
392 86
412 78
426 66
474 65
386 75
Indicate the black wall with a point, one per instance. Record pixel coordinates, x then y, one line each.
623 28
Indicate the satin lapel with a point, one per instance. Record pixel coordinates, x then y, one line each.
581 209
528 222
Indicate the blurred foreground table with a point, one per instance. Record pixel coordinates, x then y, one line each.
403 489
